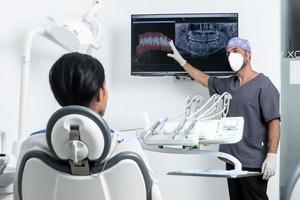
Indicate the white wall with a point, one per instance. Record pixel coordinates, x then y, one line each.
131 96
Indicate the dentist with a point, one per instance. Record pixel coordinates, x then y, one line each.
257 100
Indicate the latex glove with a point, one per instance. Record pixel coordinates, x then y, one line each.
176 55
269 166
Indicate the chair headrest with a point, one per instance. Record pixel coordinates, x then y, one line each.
94 134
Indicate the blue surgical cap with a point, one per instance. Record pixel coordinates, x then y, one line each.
239 42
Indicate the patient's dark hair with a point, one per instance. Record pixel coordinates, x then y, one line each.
75 79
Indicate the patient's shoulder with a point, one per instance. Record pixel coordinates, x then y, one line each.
43 131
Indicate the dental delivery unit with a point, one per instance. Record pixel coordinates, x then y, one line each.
202 123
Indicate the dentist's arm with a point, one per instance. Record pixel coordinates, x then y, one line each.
274 135
195 73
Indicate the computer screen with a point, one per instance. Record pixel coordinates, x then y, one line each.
200 38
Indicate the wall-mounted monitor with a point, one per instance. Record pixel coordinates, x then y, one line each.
200 38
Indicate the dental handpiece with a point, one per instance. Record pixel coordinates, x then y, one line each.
194 121
161 124
154 126
191 126
179 127
152 129
188 108
197 108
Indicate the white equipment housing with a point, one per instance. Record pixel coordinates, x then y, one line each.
205 124
219 131
79 166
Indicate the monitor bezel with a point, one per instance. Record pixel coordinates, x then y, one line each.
176 15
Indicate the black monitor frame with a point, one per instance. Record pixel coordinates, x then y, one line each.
144 17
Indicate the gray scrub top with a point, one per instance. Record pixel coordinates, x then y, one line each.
258 102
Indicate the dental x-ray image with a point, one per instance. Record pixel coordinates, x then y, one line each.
198 40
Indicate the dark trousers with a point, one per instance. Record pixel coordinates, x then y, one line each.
248 188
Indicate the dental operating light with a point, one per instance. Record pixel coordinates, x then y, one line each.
75 31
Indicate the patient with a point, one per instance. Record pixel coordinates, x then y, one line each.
79 79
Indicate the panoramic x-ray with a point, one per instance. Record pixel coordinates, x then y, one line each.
203 39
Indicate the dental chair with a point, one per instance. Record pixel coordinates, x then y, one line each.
81 166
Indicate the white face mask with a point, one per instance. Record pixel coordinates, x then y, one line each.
236 61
